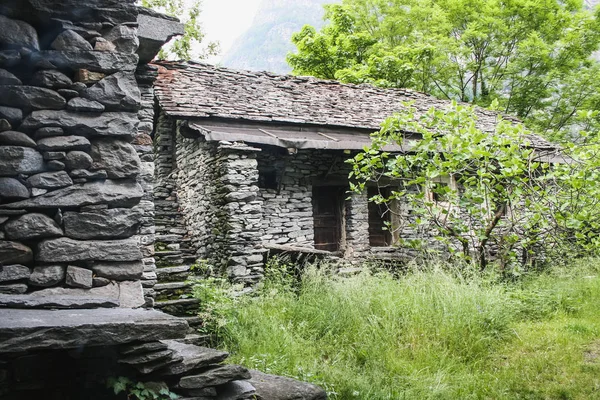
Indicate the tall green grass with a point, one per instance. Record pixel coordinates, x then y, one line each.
438 333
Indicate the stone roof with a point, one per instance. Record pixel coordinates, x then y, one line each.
197 90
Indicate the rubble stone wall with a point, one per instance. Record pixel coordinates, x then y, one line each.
218 198
76 207
288 208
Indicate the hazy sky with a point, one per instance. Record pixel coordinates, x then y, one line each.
225 20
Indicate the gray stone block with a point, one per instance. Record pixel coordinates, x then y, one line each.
69 250
47 275
64 143
214 377
12 189
119 271
32 226
90 125
78 277
51 79
118 158
271 387
16 272
15 160
69 40
112 193
114 223
31 97
14 253
30 330
117 92
17 34
50 180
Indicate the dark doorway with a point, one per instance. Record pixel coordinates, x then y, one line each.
379 219
328 206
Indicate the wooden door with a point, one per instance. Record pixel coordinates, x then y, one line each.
328 203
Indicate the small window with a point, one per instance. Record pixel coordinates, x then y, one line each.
267 179
379 218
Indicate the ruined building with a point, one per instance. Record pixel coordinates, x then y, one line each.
256 162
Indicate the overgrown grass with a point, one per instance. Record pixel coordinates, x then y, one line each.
440 333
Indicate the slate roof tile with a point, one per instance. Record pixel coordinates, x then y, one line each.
197 90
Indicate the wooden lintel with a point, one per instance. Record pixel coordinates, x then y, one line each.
296 249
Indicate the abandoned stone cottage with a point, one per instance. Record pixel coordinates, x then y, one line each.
256 162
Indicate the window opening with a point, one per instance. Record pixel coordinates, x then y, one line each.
379 218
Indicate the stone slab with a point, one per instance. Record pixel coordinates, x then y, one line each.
26 330
54 302
113 193
128 294
194 357
214 377
271 387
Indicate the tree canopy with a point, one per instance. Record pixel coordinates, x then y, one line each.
535 57
485 195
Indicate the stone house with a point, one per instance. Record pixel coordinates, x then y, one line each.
256 163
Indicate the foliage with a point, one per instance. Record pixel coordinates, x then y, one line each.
532 56
483 194
216 304
140 390
188 46
441 332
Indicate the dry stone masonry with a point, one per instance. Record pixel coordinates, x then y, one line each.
257 164
72 195
78 213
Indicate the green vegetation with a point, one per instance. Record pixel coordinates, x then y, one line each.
484 195
535 57
139 390
437 332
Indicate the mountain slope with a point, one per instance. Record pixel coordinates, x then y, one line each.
264 46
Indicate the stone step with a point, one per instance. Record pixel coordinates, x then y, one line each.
173 270
160 272
178 307
172 290
171 238
173 252
167 213
173 274
171 286
182 302
168 203
194 321
196 339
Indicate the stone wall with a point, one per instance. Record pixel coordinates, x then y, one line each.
233 199
288 216
288 208
219 202
76 207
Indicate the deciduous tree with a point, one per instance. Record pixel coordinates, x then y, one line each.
486 195
533 56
